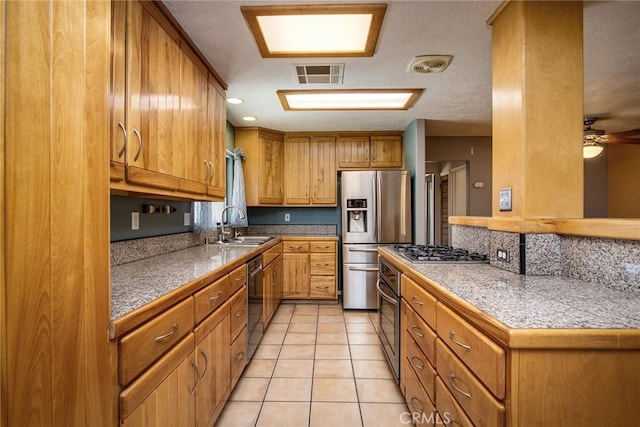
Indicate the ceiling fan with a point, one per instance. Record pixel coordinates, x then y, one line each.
593 139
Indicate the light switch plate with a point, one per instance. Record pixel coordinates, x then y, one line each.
287 217
135 220
505 199
187 219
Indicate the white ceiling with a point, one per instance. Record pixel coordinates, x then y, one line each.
456 102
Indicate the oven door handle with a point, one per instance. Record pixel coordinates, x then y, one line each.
385 296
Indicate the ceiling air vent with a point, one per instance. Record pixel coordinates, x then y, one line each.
326 74
430 63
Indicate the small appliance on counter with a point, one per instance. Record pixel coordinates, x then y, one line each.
376 210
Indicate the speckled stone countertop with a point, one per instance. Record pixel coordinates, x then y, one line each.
533 302
137 283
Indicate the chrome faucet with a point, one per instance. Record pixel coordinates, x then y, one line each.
223 232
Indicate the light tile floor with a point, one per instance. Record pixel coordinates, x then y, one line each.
317 365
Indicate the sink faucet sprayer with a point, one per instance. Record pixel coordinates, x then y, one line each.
223 232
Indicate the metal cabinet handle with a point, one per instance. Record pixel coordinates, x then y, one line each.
213 172
239 313
195 377
452 335
137 134
206 172
213 298
413 362
452 377
161 338
124 143
239 356
415 399
415 301
274 277
206 362
415 330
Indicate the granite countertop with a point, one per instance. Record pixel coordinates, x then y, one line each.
533 302
137 283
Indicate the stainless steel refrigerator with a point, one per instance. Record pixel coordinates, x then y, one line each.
376 210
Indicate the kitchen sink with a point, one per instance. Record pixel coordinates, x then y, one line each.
246 241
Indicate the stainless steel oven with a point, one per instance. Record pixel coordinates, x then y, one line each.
389 314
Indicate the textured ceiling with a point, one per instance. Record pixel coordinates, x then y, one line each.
455 102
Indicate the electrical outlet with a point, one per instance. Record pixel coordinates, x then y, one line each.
187 219
135 220
287 217
505 199
502 255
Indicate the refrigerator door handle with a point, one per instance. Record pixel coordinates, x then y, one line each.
375 212
378 196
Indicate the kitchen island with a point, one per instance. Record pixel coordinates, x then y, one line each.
484 346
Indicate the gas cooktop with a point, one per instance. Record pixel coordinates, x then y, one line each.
439 254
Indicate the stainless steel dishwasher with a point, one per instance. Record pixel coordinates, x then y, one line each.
255 303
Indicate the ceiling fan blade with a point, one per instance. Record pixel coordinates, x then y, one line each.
626 134
611 139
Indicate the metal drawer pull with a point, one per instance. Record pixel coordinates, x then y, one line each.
136 133
216 297
239 313
195 377
373 270
322 265
124 143
322 287
362 250
161 338
415 330
240 357
452 335
414 300
206 362
419 366
415 399
464 393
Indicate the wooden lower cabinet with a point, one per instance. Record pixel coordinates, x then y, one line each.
310 269
272 285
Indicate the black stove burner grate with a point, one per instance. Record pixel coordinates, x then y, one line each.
429 253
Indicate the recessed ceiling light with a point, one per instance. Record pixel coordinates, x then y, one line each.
249 119
234 101
349 99
315 30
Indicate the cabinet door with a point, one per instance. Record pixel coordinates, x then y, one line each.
193 124
271 174
153 86
353 152
295 275
386 152
213 358
296 170
216 131
277 292
267 293
324 178
117 90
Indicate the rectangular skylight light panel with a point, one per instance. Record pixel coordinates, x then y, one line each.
368 99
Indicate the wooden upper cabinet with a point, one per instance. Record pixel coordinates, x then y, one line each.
296 170
117 90
370 152
353 152
386 152
153 70
217 126
264 165
324 172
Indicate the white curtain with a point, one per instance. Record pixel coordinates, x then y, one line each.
238 197
204 217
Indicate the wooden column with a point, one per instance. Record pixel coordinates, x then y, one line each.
538 109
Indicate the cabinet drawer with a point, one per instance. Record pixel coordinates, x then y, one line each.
238 357
140 348
475 399
323 287
422 302
451 413
421 366
323 264
295 247
483 356
417 399
323 246
271 254
237 279
238 312
422 334
211 297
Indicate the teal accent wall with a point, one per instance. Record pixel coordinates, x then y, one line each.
311 216
155 224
